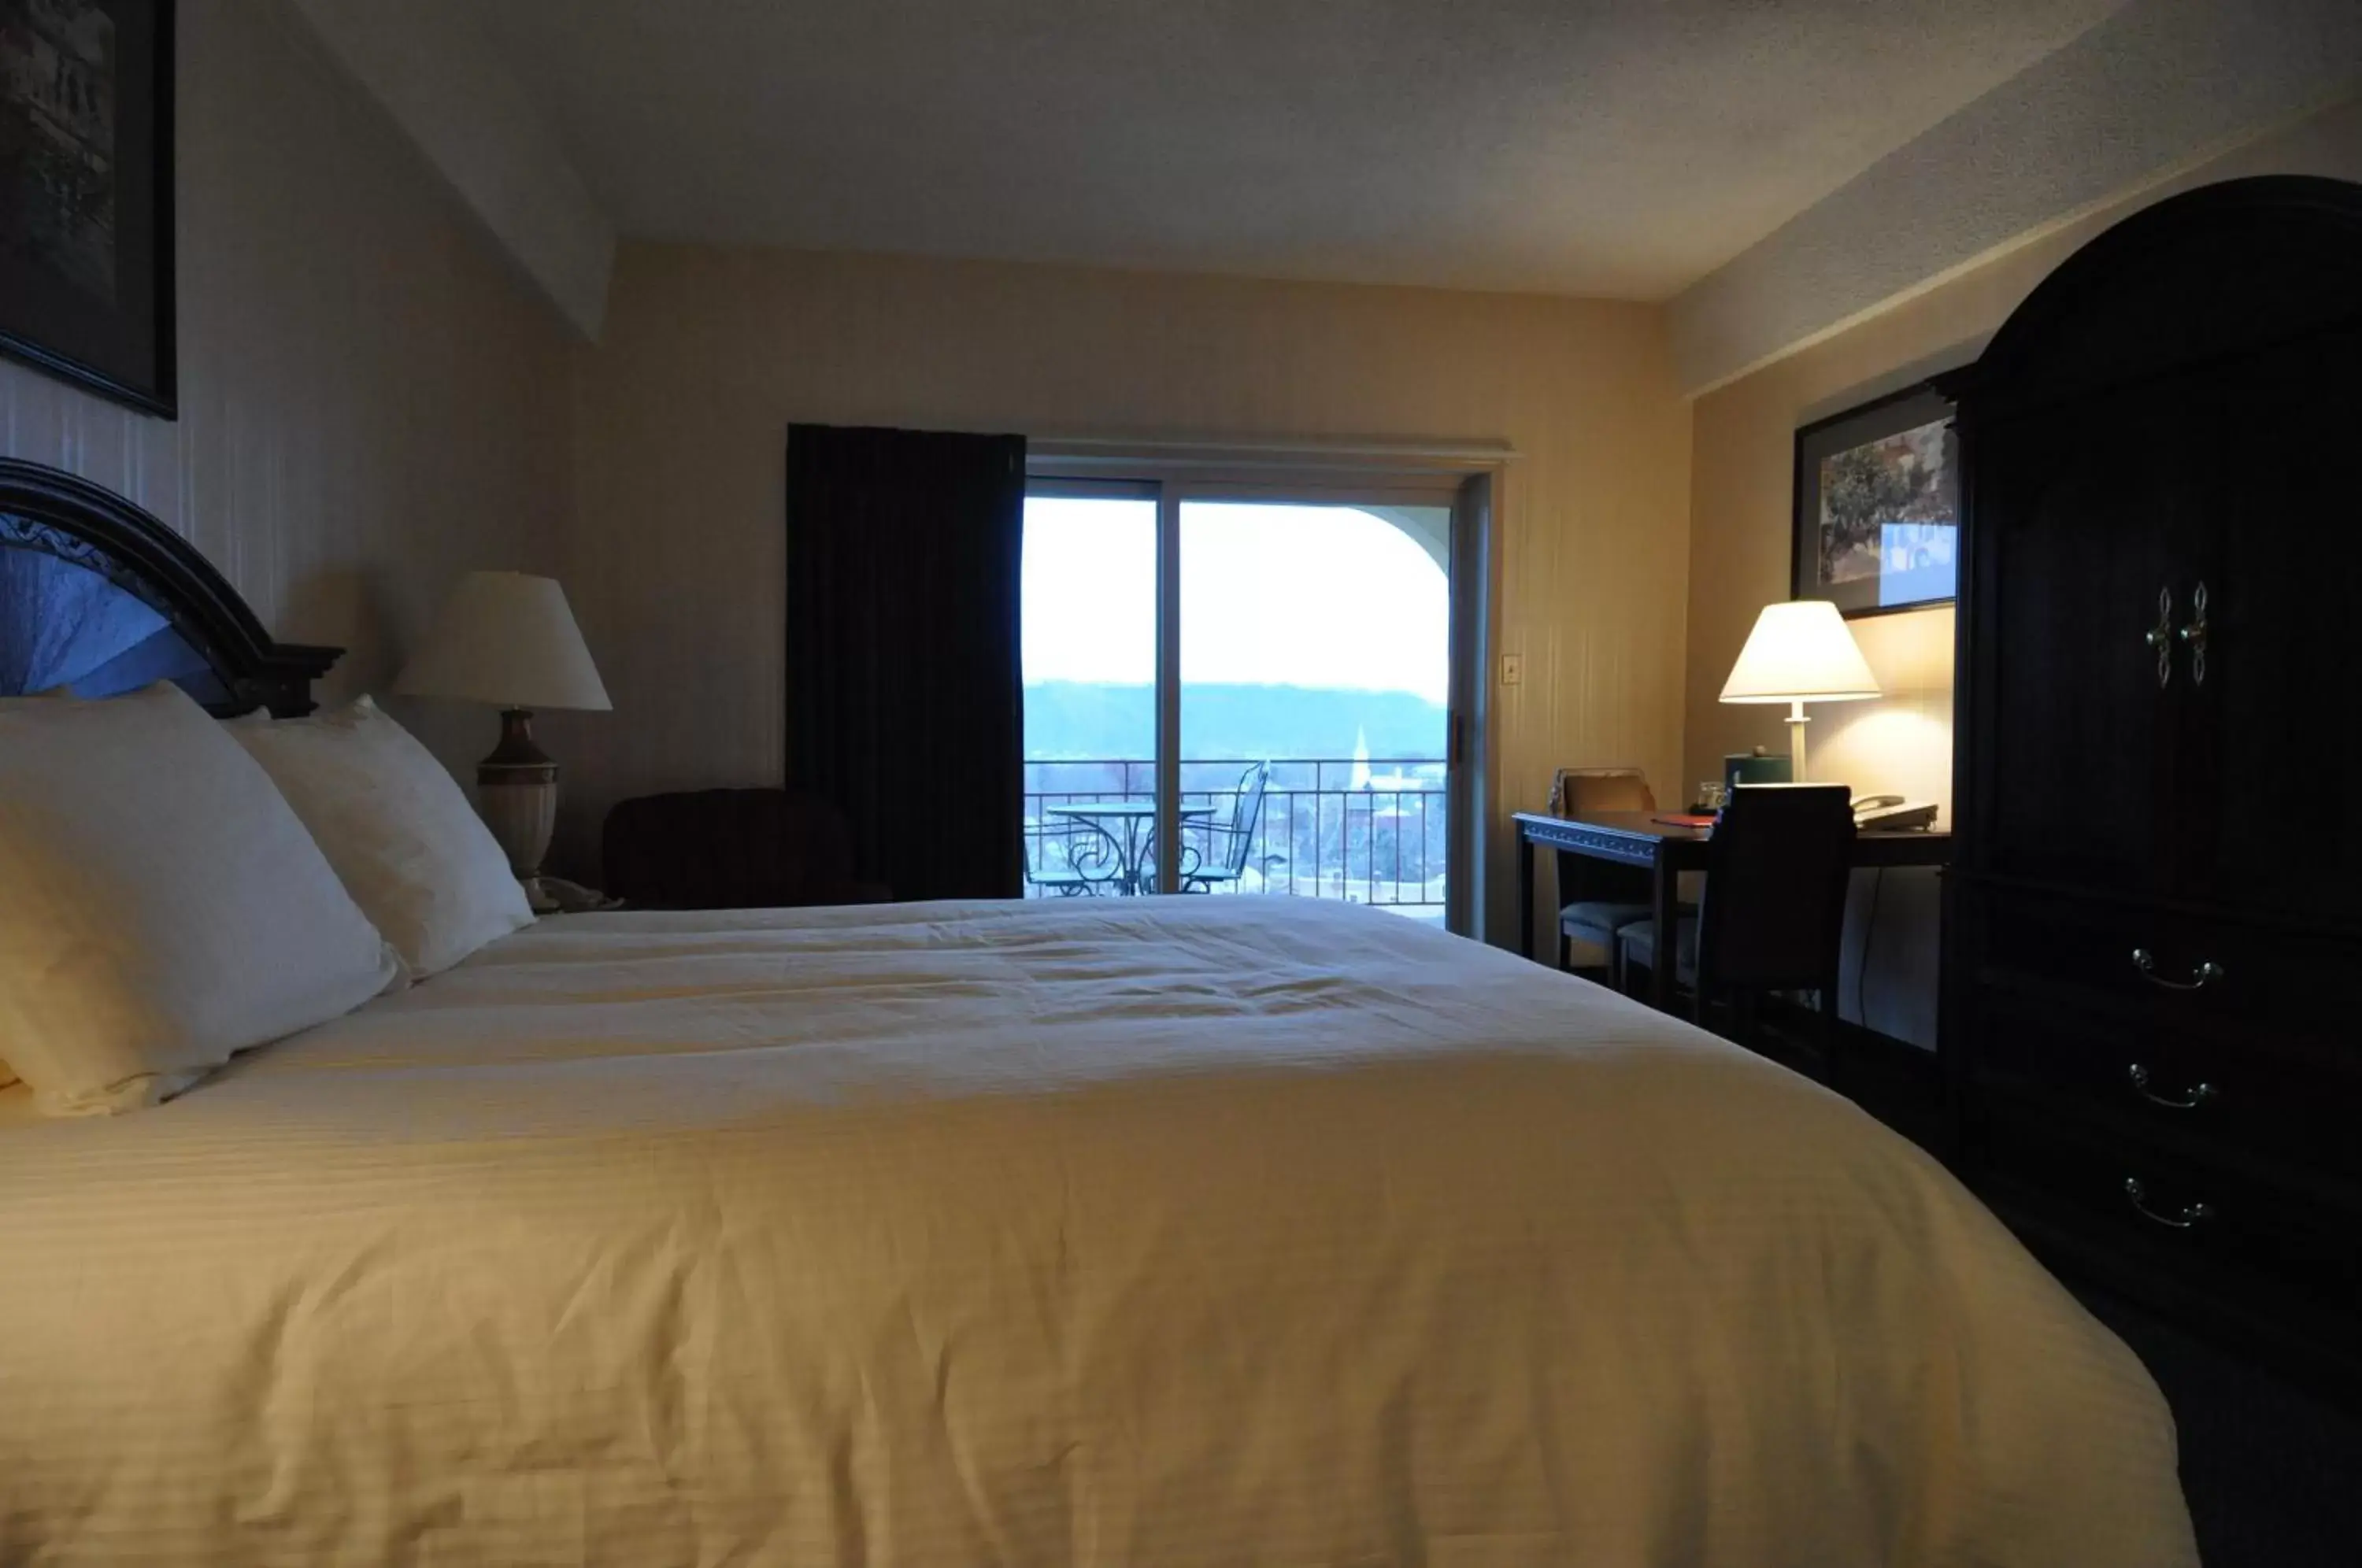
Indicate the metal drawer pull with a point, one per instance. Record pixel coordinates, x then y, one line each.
2191 1213
2146 962
2199 1094
2160 637
2193 636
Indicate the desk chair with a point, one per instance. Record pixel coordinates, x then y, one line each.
1774 908
1598 898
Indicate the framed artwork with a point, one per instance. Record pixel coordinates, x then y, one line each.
86 194
1878 513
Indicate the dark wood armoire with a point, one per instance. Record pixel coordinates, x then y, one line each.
2153 1017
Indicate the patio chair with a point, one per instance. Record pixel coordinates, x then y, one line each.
1088 863
1224 859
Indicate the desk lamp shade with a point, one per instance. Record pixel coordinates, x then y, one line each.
509 640
1800 652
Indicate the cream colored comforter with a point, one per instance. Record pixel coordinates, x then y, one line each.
1170 1232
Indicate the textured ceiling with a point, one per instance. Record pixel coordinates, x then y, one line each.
1593 147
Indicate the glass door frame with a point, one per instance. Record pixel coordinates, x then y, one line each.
1469 483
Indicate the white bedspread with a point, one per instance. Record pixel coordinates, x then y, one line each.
1173 1231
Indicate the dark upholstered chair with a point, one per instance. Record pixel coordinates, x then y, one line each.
1774 908
731 850
1598 899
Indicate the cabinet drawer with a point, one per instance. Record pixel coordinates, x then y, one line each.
2241 1096
2180 969
2228 1232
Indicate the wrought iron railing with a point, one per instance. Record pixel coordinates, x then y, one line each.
1374 831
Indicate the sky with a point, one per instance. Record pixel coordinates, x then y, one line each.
1287 595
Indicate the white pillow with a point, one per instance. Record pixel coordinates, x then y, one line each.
395 825
164 909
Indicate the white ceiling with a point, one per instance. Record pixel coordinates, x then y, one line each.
2161 92
1619 148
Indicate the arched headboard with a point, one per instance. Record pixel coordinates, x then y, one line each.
98 596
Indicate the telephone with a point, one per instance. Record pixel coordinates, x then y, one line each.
1887 813
556 895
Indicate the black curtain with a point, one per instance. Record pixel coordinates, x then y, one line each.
905 684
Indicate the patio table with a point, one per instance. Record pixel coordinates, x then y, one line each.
1129 829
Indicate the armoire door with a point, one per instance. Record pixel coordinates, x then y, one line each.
2081 513
2272 745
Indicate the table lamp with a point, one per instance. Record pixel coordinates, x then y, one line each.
1800 652
509 640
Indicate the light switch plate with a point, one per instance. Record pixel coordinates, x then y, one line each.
1513 668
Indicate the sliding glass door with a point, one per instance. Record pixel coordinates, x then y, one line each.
1263 678
1091 656
1315 672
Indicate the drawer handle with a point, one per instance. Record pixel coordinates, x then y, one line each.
2193 637
2191 1214
2146 962
2160 637
2199 1094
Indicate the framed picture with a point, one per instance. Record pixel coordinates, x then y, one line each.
86 194
1878 515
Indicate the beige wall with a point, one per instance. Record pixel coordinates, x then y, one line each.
682 415
1742 460
371 401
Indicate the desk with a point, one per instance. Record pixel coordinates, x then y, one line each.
1128 828
1636 838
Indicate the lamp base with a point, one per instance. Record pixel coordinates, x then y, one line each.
1796 722
516 793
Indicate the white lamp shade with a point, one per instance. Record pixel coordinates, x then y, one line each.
507 639
1800 652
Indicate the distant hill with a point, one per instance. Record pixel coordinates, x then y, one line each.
1069 719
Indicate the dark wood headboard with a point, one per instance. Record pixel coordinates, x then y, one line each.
98 595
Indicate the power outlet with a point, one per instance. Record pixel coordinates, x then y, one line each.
1513 668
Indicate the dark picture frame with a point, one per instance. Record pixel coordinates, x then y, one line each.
1877 506
86 195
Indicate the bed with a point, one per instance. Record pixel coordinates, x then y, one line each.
1189 1231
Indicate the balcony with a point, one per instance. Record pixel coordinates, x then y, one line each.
1371 831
